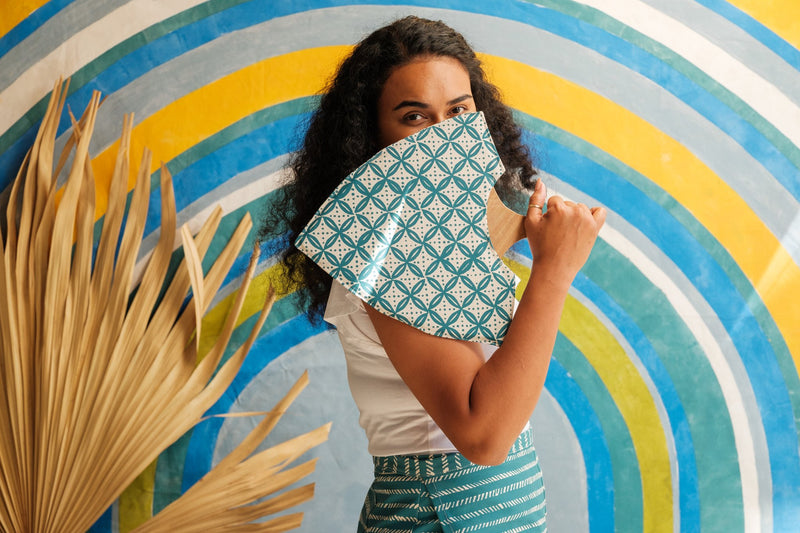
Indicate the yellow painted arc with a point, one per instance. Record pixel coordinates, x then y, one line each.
214 319
534 92
665 161
635 403
136 501
631 396
780 16
179 126
15 11
202 113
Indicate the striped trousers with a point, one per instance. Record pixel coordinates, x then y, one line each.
446 493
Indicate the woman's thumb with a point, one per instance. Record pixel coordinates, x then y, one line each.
537 201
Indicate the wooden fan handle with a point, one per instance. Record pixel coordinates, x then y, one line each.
505 225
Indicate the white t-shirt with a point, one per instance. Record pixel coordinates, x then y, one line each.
394 421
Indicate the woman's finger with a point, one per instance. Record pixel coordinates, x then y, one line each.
537 201
599 214
555 201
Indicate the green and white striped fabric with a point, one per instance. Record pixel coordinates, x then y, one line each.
447 493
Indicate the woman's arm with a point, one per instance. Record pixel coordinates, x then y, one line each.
482 407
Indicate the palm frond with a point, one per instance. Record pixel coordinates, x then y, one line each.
99 371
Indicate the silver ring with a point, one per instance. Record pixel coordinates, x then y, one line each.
534 206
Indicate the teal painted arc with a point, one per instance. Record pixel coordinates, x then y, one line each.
244 127
769 382
642 183
539 129
715 451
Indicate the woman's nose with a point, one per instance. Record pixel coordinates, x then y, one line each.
437 118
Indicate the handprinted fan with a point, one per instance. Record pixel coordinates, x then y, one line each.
407 233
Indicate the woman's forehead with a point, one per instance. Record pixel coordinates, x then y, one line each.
429 78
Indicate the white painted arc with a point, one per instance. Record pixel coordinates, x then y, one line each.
766 99
81 49
229 203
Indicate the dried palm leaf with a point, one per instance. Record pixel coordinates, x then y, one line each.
99 374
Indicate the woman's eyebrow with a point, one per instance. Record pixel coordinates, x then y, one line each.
410 103
459 99
423 105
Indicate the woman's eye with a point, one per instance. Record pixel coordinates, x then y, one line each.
457 110
413 117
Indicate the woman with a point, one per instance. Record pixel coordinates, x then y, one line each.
447 426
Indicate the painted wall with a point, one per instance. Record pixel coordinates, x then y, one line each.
673 398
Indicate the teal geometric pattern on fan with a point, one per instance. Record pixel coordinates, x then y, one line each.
407 233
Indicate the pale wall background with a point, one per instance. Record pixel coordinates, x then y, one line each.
673 399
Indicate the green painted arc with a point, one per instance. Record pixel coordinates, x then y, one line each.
627 487
611 25
707 240
718 479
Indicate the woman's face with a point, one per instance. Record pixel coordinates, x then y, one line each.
424 92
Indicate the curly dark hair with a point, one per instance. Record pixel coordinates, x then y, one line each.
345 124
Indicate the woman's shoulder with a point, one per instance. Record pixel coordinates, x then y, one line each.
341 303
347 313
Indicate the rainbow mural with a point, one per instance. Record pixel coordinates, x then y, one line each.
673 397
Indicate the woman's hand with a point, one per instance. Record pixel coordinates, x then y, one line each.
562 238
